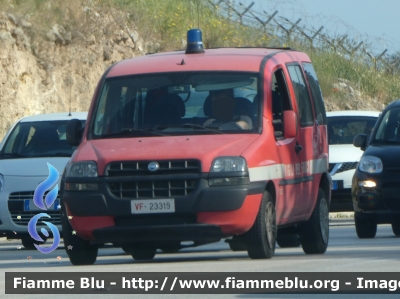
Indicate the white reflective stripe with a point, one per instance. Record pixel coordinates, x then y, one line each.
277 171
319 165
266 173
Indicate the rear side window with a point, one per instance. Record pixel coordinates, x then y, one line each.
302 95
319 106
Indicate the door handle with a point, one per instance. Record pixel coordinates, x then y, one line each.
297 148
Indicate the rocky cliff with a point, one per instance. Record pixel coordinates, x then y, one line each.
55 69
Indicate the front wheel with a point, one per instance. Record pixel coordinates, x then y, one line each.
365 228
260 239
288 240
396 228
141 253
314 234
80 252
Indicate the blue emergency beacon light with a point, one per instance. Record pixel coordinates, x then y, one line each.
194 42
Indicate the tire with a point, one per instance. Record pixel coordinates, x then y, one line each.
82 252
314 234
365 228
140 253
126 249
236 244
261 238
288 240
171 248
29 243
396 228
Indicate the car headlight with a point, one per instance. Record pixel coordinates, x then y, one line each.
228 164
86 169
227 171
370 164
1 182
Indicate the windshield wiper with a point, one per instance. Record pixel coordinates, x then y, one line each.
13 155
130 131
52 155
388 140
212 129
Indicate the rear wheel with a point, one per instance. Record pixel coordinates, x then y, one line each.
260 239
288 240
314 234
141 253
237 243
80 252
396 228
29 243
172 247
365 228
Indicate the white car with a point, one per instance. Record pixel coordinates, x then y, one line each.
343 155
28 146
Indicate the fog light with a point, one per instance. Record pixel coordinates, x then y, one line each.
228 181
81 187
366 184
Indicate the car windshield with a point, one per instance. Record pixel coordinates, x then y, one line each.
388 129
180 103
38 139
342 129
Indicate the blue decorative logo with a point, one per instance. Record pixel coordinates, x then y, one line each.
45 205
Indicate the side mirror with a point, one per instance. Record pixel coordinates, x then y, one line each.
360 140
289 124
74 132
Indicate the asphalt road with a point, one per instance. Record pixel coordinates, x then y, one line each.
346 253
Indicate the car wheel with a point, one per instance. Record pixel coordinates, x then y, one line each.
260 239
29 242
314 234
126 249
365 228
288 240
237 243
171 248
396 228
79 251
141 253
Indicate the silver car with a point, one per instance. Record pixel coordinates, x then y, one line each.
27 148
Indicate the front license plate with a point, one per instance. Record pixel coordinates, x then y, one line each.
150 206
30 206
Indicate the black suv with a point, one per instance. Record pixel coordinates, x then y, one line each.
376 182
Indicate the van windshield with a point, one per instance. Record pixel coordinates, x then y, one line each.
180 103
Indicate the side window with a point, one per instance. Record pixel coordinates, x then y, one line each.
302 96
280 102
316 93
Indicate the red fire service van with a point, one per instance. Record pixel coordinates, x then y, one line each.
190 147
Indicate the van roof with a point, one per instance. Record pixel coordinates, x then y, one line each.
220 59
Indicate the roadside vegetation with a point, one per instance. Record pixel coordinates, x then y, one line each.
166 22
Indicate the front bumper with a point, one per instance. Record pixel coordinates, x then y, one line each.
203 214
14 214
381 203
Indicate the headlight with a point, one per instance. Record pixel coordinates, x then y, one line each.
1 182
228 164
227 171
86 169
370 164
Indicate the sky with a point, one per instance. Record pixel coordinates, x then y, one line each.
377 21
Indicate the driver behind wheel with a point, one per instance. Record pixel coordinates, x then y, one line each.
223 106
